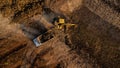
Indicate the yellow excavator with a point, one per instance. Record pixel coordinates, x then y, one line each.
59 24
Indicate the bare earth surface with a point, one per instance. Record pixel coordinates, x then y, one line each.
94 43
16 50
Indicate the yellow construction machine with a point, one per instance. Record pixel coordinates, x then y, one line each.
60 23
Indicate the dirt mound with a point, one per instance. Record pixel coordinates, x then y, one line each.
20 10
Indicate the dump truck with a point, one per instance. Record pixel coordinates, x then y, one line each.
43 38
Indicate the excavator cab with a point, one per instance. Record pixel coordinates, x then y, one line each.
59 23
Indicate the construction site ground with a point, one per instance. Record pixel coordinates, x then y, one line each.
17 50
93 43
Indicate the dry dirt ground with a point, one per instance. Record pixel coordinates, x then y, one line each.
17 50
94 43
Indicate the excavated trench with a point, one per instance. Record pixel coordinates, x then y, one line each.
39 24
